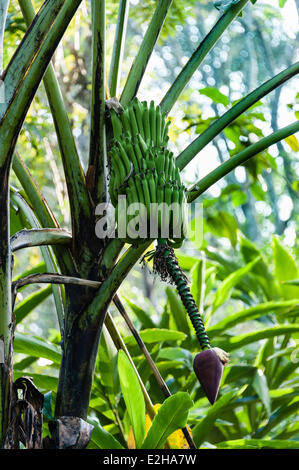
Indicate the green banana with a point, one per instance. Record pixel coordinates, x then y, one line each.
146 122
139 189
138 113
133 121
152 115
116 124
158 126
146 193
133 157
152 186
124 158
126 122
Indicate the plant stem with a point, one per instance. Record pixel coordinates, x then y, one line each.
25 70
80 206
237 160
105 294
139 65
6 370
46 253
97 143
119 344
118 47
208 135
162 384
37 237
198 56
41 210
3 14
53 278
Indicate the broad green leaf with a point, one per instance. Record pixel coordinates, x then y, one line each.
201 430
177 310
44 382
222 224
23 308
133 397
106 365
172 415
282 3
176 354
157 335
186 262
36 347
224 290
285 270
198 282
142 316
277 417
284 308
235 373
215 95
39 268
263 275
237 342
294 282
49 405
260 385
284 372
292 142
102 438
290 431
258 444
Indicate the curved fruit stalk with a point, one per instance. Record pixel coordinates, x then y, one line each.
208 364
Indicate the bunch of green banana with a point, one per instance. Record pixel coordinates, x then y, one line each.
144 170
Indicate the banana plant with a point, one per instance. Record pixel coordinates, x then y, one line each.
87 271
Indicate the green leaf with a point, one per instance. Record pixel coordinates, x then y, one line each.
258 444
224 290
142 316
201 430
293 282
102 438
36 347
157 335
172 415
177 310
23 308
239 341
198 282
277 417
285 270
260 385
107 365
284 308
44 382
282 3
222 225
133 397
292 142
48 408
215 95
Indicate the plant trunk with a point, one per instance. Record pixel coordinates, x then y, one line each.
79 353
6 325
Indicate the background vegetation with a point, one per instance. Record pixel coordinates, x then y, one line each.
240 268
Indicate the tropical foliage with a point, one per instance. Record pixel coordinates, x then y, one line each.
100 336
